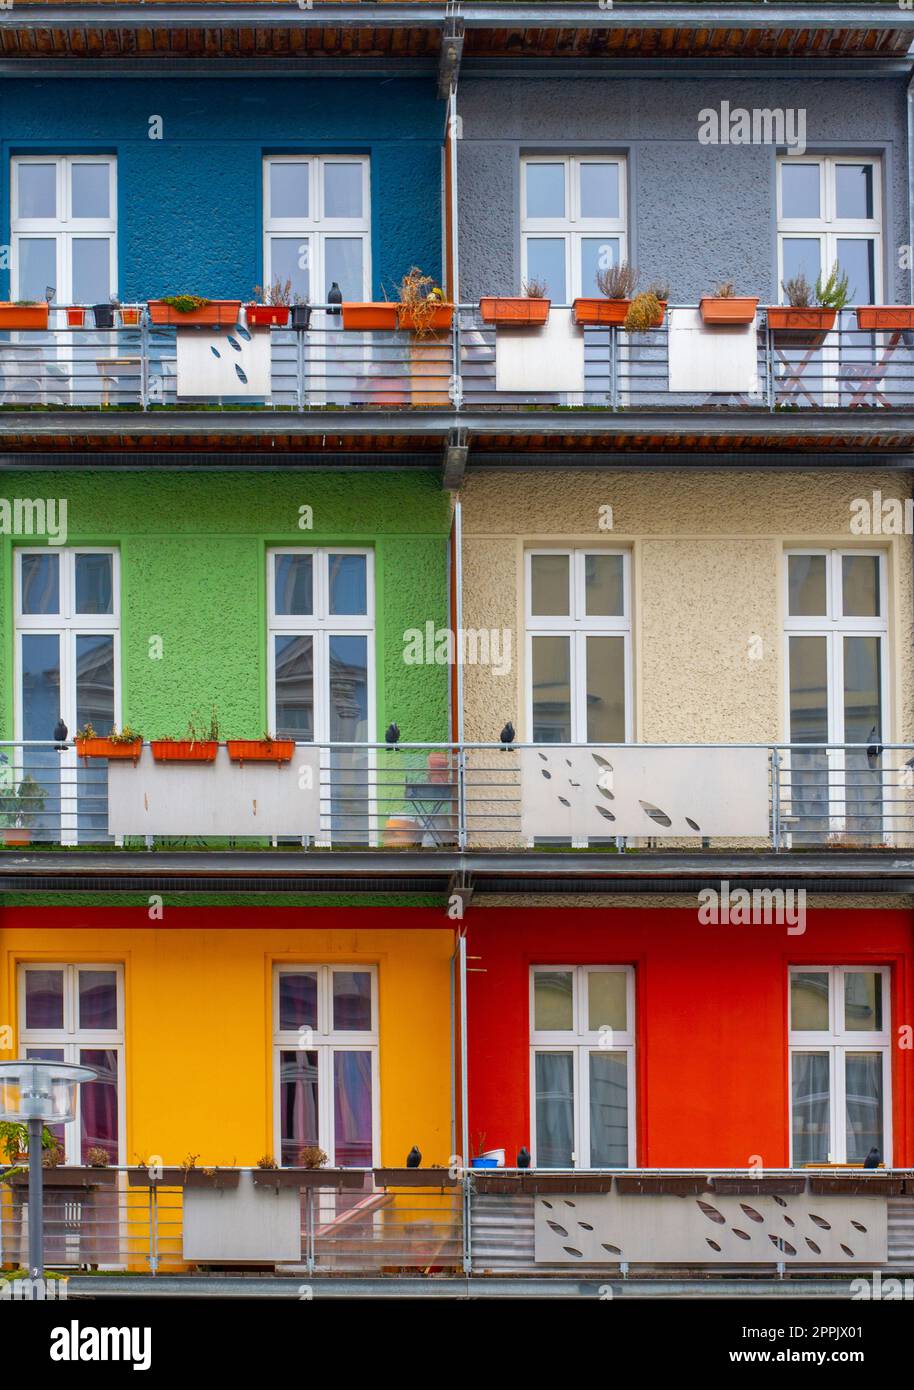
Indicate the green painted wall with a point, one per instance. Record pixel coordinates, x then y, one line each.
193 550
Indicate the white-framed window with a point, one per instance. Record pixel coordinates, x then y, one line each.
64 227
317 224
325 1063
829 209
75 1013
582 1065
578 615
573 221
840 1064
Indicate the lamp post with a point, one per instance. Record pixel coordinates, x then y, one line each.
37 1093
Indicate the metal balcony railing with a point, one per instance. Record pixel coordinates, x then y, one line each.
468 796
466 367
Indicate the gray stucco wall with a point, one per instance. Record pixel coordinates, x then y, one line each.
697 213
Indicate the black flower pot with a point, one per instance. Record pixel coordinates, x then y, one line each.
104 315
301 316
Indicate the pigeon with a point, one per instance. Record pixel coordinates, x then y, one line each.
414 1157
392 736
523 1157
334 297
873 1158
60 735
874 748
507 733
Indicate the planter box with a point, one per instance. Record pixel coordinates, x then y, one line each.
103 315
301 316
77 1178
888 316
23 315
260 750
759 1187
130 318
108 748
184 750
857 1184
600 311
563 1183
267 315
805 327
723 312
140 1177
499 309
413 1177
219 1177
16 836
76 318
309 1177
369 316
218 311
652 1185
441 317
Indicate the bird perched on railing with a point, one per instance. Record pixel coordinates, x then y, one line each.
414 1157
61 733
873 1158
392 737
523 1157
506 737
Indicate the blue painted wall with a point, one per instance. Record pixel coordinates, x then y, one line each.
190 205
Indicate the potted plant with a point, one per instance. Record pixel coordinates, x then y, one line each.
725 308
20 808
124 744
200 746
646 310
273 309
616 284
261 750
532 307
809 314
129 315
371 316
423 308
185 309
24 313
301 313
104 313
76 316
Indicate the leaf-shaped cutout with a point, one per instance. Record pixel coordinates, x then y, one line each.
712 1213
604 791
242 331
215 351
564 800
570 1250
601 811
601 762
576 785
240 374
612 1249
233 342
789 1221
857 1227
547 775
547 1204
713 1244
820 1221
786 1246
752 1214
568 762
848 1251
816 1249
780 1201
743 1235
694 824
543 757
655 814
568 1202
559 1230
585 1226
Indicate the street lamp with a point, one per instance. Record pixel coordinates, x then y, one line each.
37 1093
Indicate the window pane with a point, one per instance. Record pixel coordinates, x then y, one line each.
290 259
549 583
293 585
295 687
801 256
37 267
348 688
800 190
862 689
90 190
546 190
606 689
343 264
97 999
348 583
860 586
297 1001
94 592
37 190
551 677
603 586
810 1107
553 1001
91 273
608 1110
863 1104
809 1002
607 1000
600 190
298 1098
51 1054
44 998
342 190
95 683
289 189
863 1001
554 1079
854 191
856 259
98 1104
597 253
40 684
808 690
806 583
352 1001
40 576
546 263
352 1109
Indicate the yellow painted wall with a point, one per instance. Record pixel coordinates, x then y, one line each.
198 1025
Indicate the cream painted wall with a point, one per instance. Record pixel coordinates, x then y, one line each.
707 579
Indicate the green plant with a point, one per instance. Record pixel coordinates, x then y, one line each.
311 1157
20 807
833 293
185 303
279 292
536 289
125 735
643 313
198 732
14 1141
617 281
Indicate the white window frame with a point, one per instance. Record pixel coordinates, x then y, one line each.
581 1041
837 1041
573 228
828 228
578 626
326 1041
72 1039
316 228
64 228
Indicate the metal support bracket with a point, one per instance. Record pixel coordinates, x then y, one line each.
456 449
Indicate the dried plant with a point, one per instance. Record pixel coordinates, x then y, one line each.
724 290
97 1158
266 1161
189 1161
798 291
536 289
660 290
419 293
617 281
644 312
311 1157
279 292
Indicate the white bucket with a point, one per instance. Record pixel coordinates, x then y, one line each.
497 1154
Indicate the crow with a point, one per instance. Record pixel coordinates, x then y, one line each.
414 1157
60 734
873 1158
523 1157
392 736
507 734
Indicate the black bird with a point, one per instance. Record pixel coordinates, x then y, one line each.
523 1157
874 749
414 1157
60 735
507 734
392 737
334 296
873 1158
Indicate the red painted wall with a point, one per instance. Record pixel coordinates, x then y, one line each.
711 1021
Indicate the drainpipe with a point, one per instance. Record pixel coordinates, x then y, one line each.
910 168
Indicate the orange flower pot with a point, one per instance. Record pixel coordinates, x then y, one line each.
810 324
130 318
217 312
108 748
261 750
23 315
180 750
401 830
442 316
727 312
885 316
369 316
600 311
17 837
501 309
76 318
267 315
